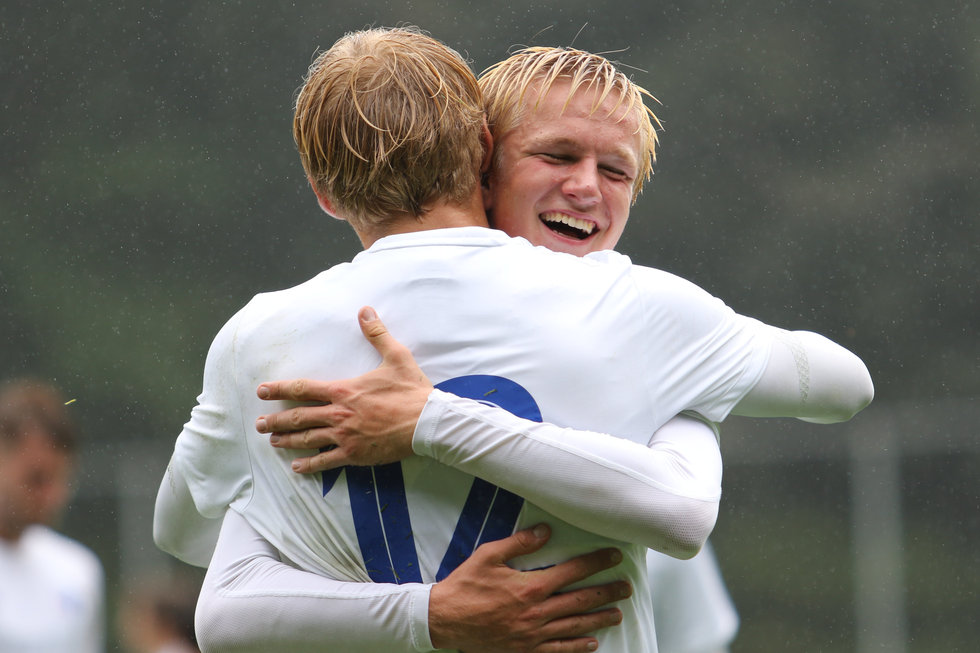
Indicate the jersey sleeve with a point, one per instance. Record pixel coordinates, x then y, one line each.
210 452
664 496
723 362
178 528
809 377
251 601
707 356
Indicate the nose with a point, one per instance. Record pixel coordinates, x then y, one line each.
582 183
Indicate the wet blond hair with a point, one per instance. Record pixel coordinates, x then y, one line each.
536 69
388 121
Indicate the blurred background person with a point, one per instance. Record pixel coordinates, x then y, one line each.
52 589
156 615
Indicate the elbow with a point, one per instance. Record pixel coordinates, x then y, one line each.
686 528
857 399
688 546
163 538
842 402
860 394
865 394
687 550
862 398
167 538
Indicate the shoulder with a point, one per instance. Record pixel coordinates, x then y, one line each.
660 291
288 298
70 555
649 278
278 310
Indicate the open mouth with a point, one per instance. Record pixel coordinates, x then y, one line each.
568 226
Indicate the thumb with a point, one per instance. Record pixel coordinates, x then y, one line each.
375 331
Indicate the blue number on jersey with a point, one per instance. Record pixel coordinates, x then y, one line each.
380 508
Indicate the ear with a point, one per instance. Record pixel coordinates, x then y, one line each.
486 165
325 204
487 139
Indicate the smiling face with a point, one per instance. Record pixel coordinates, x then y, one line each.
563 177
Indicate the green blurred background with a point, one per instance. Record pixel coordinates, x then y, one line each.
818 170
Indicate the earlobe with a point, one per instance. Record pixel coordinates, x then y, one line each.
325 204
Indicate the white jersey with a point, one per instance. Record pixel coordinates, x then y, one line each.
51 595
596 343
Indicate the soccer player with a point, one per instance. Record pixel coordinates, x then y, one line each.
51 587
694 610
477 311
546 131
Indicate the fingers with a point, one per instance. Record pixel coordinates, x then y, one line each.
294 390
520 543
579 568
297 419
571 632
308 439
320 462
573 615
558 576
584 645
585 600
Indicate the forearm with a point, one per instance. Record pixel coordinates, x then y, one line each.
178 528
810 377
664 497
253 602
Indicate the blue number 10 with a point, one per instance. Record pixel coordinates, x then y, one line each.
380 508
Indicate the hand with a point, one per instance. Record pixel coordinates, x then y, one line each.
485 605
367 420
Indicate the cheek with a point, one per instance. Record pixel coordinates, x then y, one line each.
618 203
508 219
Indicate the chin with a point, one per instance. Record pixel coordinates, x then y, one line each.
578 248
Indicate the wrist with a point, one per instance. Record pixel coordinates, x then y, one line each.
441 618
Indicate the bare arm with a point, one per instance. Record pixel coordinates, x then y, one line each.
251 601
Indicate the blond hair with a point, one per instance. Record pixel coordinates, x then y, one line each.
388 121
536 69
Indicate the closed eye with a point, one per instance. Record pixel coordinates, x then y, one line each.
554 157
616 173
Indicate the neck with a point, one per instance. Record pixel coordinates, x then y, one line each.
440 215
9 533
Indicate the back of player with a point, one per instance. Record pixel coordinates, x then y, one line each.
611 348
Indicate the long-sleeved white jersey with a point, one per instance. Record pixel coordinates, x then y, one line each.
596 343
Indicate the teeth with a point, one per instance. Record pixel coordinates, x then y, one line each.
575 223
